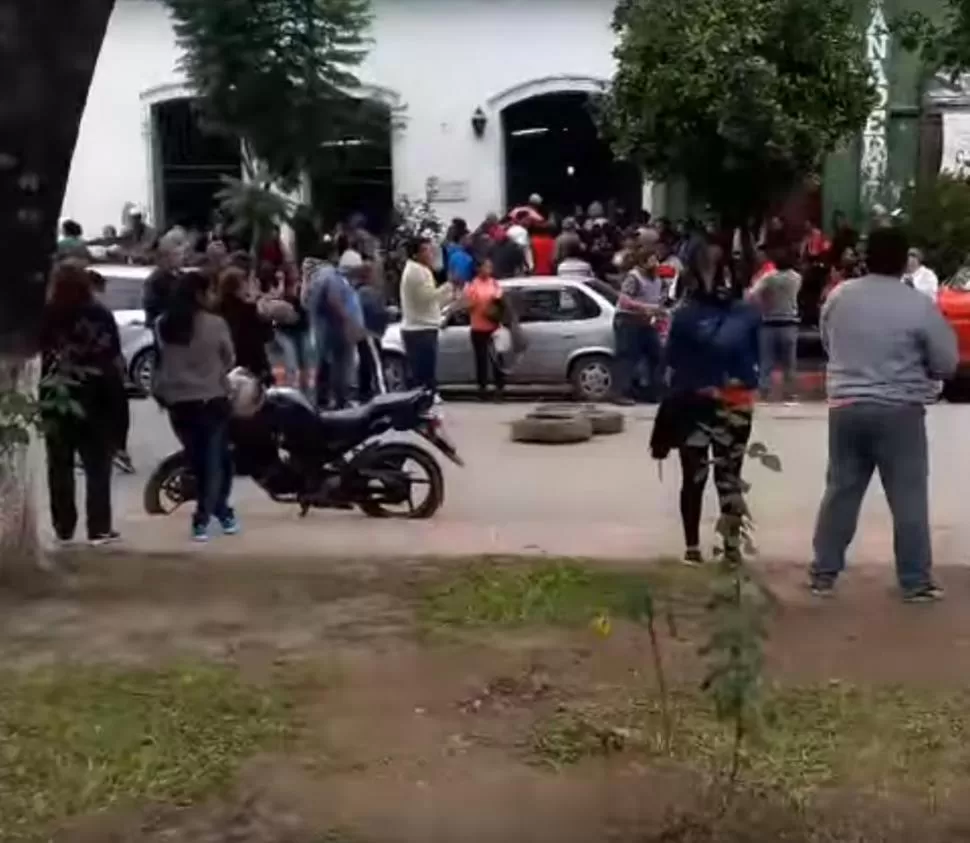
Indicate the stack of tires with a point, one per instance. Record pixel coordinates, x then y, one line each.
563 424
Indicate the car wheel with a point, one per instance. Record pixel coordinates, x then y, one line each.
395 373
592 378
142 370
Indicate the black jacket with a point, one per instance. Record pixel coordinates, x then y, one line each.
156 294
250 334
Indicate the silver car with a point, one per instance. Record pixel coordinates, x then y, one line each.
123 290
569 328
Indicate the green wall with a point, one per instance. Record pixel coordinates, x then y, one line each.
842 181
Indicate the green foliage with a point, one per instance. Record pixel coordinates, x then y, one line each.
810 739
253 205
742 98
21 413
562 592
942 43
277 73
81 740
737 608
938 221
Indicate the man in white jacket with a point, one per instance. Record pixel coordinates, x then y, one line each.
421 301
919 276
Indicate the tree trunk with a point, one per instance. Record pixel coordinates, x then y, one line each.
47 57
19 549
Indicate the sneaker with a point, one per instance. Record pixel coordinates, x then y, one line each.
200 533
437 399
63 544
229 524
123 463
624 401
105 538
823 587
929 593
693 557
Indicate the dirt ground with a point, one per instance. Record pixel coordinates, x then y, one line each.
408 734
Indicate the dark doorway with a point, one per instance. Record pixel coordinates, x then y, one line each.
552 147
192 162
353 174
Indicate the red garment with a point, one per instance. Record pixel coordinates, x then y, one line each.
767 268
271 252
543 253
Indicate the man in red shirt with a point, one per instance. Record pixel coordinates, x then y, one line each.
543 249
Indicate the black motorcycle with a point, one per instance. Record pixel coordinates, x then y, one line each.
327 460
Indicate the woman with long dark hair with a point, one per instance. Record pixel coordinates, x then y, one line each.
195 356
712 353
83 395
250 331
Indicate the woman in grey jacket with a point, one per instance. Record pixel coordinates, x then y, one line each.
196 354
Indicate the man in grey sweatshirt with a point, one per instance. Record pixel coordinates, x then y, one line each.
888 347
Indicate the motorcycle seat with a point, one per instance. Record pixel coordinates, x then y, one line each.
336 422
395 399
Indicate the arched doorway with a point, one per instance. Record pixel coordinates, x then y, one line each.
190 164
353 174
552 147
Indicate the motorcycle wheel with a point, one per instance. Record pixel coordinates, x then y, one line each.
392 456
171 484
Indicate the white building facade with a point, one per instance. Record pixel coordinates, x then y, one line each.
434 62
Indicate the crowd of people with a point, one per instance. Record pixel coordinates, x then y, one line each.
706 327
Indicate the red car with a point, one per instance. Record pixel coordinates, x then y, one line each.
954 301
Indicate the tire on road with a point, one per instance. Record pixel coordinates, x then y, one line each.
605 422
552 431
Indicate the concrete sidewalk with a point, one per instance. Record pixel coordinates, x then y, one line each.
604 498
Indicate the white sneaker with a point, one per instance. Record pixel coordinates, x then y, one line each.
107 538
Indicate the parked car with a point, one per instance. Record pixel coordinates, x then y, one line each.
122 295
569 328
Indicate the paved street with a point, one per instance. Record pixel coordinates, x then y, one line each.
603 498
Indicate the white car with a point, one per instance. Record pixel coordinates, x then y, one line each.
568 324
123 291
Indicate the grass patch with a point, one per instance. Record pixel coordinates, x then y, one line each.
875 740
80 740
560 592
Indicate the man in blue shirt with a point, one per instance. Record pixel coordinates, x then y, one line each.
338 308
461 264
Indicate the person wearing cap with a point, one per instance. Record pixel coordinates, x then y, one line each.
508 258
519 234
340 307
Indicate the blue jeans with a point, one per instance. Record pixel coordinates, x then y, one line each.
636 342
779 350
864 437
421 350
293 349
202 427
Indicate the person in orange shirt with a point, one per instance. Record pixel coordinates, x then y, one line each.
484 298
